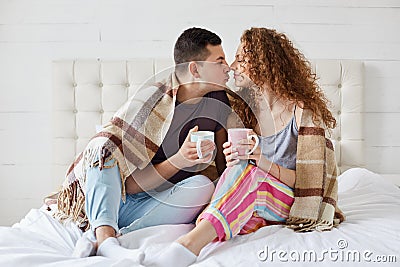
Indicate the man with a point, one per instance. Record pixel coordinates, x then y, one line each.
198 103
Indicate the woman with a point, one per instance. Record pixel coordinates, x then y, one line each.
293 167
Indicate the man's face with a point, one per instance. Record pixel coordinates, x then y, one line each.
214 70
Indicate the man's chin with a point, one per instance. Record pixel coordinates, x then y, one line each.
219 87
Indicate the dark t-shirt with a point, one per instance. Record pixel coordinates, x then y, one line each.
210 114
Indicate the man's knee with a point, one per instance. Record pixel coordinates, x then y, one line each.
196 190
201 182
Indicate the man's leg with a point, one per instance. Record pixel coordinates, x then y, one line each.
176 205
102 202
103 196
179 204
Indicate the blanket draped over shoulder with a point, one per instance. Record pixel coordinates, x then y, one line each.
316 189
131 137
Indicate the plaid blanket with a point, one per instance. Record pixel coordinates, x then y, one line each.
132 137
315 205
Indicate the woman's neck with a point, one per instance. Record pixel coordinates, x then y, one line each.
275 111
268 101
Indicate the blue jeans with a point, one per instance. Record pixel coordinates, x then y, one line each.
178 204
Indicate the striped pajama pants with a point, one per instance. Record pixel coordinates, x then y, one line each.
247 198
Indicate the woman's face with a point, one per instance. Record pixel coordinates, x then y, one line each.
239 66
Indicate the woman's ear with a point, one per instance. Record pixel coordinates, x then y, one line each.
193 69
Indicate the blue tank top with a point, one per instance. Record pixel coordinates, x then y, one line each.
281 148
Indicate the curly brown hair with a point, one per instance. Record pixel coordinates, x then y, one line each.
273 61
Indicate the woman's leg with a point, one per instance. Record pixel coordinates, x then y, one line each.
231 207
180 253
274 199
203 234
233 202
242 190
226 196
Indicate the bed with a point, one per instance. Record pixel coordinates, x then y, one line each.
87 93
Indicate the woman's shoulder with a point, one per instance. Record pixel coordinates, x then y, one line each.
298 113
306 118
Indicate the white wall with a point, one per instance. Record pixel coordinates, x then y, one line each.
33 33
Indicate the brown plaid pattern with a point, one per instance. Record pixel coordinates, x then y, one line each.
131 137
315 205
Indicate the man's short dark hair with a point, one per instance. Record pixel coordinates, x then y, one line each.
191 45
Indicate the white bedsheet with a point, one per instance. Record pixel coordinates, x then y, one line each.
371 231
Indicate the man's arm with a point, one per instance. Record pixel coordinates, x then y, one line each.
150 177
155 175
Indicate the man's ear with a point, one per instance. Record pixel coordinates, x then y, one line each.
193 69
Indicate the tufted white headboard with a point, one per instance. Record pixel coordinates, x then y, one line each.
86 93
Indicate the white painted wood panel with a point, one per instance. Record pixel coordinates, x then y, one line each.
25 139
14 209
343 34
49 33
335 3
47 11
294 14
131 29
23 181
366 51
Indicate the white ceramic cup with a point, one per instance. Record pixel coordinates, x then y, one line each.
198 137
235 135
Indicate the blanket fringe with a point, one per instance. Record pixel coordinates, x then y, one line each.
307 225
70 206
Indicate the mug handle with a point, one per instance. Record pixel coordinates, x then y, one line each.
256 144
198 148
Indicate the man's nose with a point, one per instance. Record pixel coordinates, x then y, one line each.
227 67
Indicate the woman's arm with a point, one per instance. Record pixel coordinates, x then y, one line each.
286 176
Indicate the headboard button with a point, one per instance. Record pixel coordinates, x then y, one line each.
75 111
339 85
74 85
127 85
339 112
339 138
100 85
101 111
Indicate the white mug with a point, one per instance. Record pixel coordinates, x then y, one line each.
198 137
